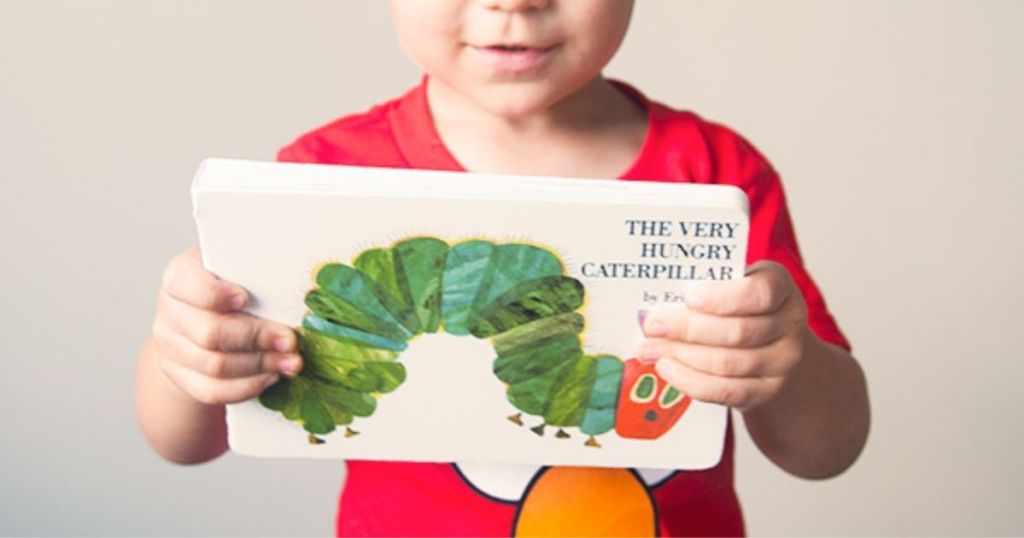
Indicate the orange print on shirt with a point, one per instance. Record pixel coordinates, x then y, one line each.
580 501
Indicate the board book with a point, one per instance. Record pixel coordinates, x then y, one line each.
449 316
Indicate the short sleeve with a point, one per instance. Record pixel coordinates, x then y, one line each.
292 154
772 237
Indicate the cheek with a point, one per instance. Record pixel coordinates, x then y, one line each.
600 27
428 33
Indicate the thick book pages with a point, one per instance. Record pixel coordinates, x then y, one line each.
449 316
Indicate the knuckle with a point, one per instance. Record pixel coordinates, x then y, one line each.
264 362
736 334
771 332
216 365
209 335
721 364
762 333
686 330
764 295
255 333
725 393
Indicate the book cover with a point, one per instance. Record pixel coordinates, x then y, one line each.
447 316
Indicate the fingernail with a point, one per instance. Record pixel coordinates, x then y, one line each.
289 366
641 315
283 344
270 381
656 328
651 352
238 301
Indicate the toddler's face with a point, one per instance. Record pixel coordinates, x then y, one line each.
512 57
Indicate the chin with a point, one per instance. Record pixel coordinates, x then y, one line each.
512 100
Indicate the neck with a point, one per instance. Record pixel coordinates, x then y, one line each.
572 113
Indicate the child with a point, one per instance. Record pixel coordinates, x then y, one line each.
515 86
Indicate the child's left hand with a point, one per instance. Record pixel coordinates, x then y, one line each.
736 342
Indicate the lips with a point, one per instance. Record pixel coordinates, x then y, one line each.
514 57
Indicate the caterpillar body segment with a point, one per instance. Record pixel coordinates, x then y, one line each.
568 398
466 268
419 264
320 346
370 377
316 323
317 403
599 416
537 358
528 301
516 295
568 323
345 287
531 396
378 268
512 264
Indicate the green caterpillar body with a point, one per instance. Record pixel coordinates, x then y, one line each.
361 317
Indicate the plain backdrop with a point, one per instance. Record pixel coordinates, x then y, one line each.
896 124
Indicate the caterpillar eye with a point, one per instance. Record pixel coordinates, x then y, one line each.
669 397
643 389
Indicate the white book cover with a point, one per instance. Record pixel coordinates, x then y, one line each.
448 316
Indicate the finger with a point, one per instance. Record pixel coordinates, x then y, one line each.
769 361
686 325
223 365
740 393
763 290
213 391
186 280
228 332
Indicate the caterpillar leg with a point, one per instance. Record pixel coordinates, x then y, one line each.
314 440
516 418
591 442
349 432
538 429
561 434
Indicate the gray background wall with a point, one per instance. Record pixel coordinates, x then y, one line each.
897 125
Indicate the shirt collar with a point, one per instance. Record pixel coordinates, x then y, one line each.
416 134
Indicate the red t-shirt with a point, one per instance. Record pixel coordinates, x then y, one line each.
406 499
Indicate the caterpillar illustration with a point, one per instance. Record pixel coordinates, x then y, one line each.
362 316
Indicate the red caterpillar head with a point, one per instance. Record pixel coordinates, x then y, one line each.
648 405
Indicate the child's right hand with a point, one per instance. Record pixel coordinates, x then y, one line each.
209 348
